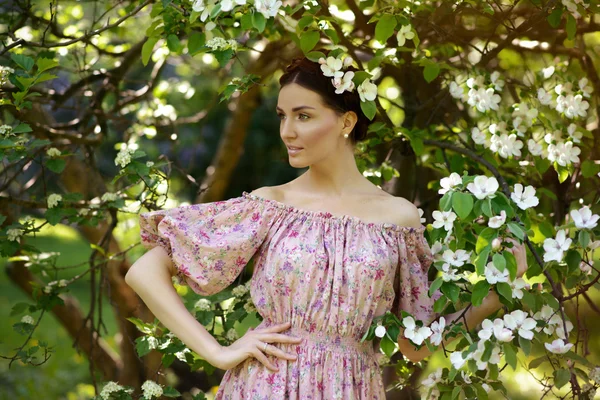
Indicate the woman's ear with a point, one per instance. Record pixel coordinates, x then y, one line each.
350 119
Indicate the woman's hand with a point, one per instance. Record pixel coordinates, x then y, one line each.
252 344
520 253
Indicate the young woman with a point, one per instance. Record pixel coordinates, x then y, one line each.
331 251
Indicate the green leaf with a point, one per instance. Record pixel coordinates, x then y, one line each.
573 259
173 43
332 34
561 377
170 392
387 345
56 165
385 27
142 346
584 238
510 355
462 203
435 285
431 71
440 304
485 239
516 230
499 262
22 128
481 261
368 108
309 40
196 43
45 64
481 393
22 61
511 264
486 207
480 291
555 17
537 362
147 49
504 290
456 392
259 22
446 201
571 26
525 345
451 291
304 22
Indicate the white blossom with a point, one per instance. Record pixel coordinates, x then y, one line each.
584 87
498 83
479 137
572 106
421 212
457 359
14 234
228 5
456 90
558 346
203 305
517 287
448 183
249 307
449 273
493 275
585 268
367 90
53 152
574 134
498 220
239 290
443 219
478 355
563 153
495 328
151 389
457 258
344 83
404 33
594 374
432 379
232 335
331 66
110 388
518 320
268 8
416 334
484 99
483 186
524 198
124 156
544 97
28 319
53 200
548 71
584 219
506 145
554 248
437 329
380 331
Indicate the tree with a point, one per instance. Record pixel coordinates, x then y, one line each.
492 105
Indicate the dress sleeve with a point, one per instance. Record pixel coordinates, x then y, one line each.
209 243
411 282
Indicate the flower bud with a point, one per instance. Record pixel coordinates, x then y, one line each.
496 243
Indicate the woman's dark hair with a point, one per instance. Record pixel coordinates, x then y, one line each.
309 75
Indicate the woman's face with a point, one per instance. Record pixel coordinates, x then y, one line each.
306 123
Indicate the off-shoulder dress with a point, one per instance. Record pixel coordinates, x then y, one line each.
328 275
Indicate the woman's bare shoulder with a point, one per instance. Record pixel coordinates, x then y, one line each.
402 211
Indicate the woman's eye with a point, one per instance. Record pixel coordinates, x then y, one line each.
281 116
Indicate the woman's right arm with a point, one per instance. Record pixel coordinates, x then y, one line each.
150 277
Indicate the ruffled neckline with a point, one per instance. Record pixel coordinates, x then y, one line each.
340 218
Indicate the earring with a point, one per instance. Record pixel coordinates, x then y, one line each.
346 135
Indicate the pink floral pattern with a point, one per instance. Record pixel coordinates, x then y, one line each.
328 275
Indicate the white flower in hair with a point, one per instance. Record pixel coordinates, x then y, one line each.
331 67
344 83
367 90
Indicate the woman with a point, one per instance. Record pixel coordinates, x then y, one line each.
331 251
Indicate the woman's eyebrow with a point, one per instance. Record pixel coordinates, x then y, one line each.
296 108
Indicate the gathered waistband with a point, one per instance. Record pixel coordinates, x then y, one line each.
324 340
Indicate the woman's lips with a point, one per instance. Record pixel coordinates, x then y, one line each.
293 151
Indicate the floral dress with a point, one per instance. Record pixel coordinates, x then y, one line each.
328 275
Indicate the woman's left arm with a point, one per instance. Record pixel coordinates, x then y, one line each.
473 316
